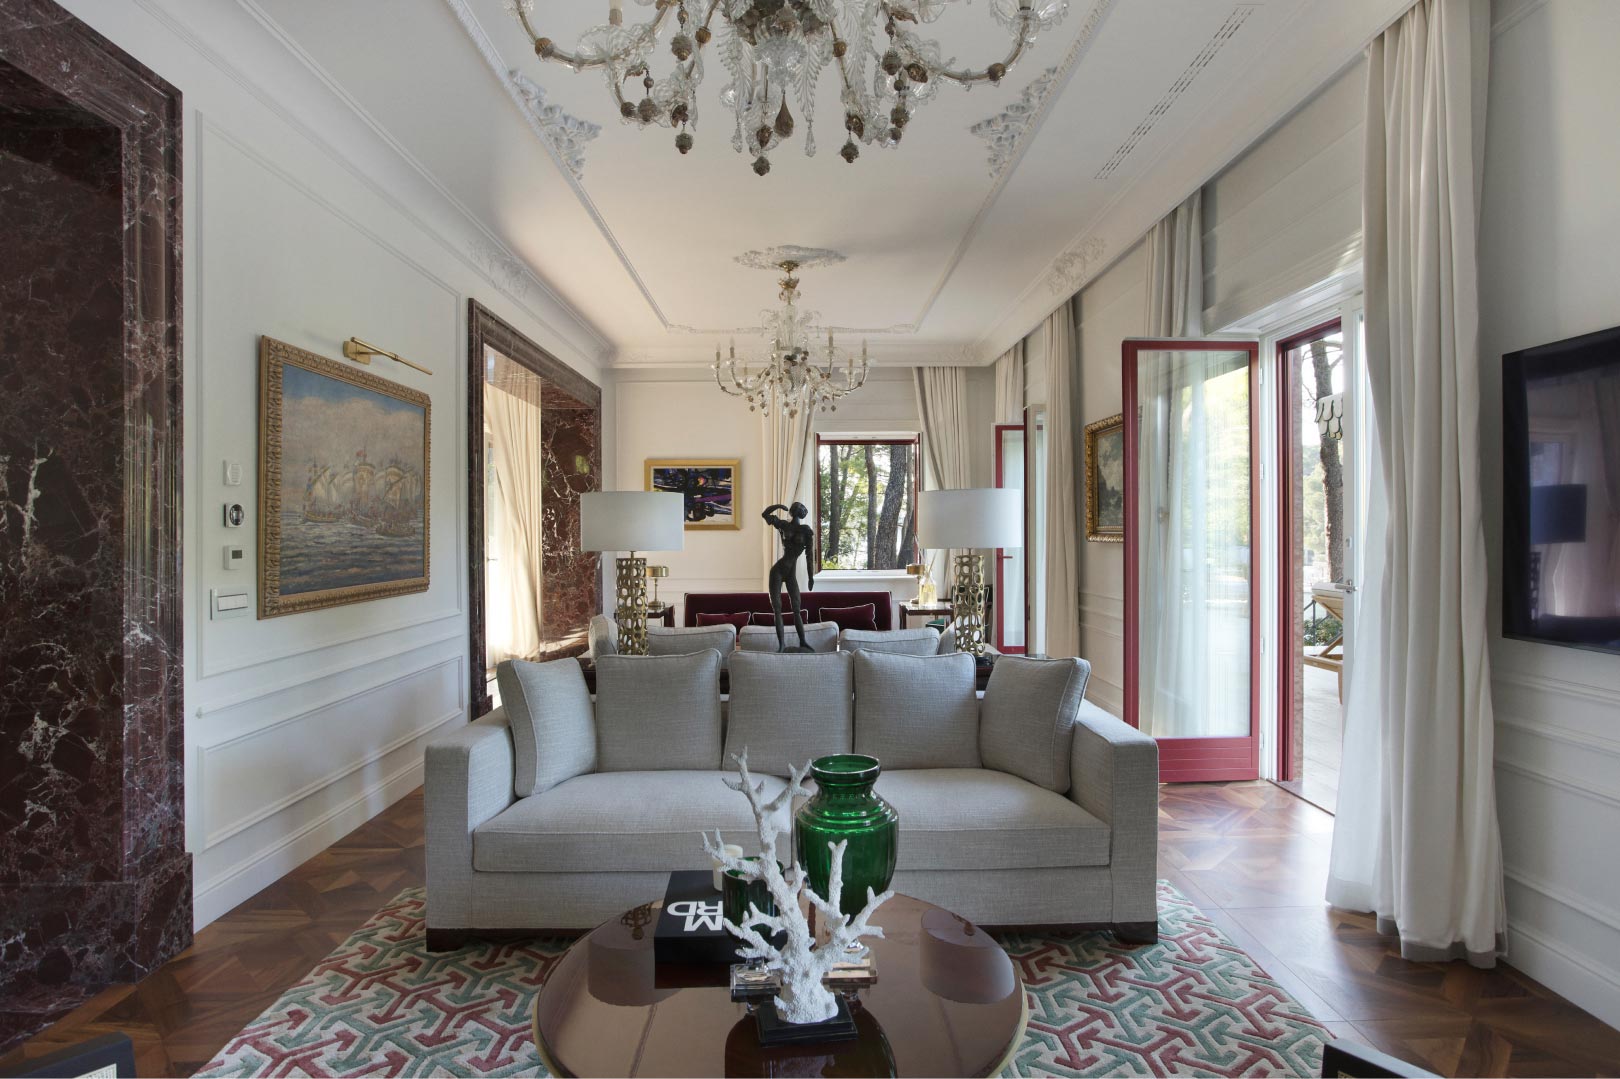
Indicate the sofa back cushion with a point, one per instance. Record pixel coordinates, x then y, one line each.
789 708
658 712
680 641
737 620
1026 722
553 730
820 636
922 641
863 616
916 711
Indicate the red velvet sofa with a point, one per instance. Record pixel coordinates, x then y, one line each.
697 603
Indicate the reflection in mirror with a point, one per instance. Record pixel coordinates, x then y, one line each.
1194 543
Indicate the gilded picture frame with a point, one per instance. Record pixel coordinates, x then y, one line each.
344 481
1105 480
708 484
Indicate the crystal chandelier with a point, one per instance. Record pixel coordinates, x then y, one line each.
774 50
790 381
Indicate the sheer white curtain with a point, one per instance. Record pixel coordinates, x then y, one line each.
1417 840
1056 348
516 446
942 405
1010 385
788 449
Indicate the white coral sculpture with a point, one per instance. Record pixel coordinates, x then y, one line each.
801 962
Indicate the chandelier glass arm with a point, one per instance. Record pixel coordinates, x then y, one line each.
1026 16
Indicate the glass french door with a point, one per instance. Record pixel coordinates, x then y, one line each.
1192 519
1011 610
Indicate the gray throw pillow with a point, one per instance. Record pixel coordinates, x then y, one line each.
684 640
820 636
916 711
553 731
1026 723
789 708
910 642
656 713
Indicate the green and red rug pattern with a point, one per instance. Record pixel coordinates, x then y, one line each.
382 1004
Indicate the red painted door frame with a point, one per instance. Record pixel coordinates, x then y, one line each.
1001 556
1191 760
1288 673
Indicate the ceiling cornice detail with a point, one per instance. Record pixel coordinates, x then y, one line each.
1005 130
1074 267
567 134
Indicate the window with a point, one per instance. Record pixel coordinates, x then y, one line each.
866 502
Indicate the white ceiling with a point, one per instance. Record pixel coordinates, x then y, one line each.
948 260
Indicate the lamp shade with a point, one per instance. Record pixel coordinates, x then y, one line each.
631 521
971 519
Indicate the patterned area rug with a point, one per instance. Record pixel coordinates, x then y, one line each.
382 1004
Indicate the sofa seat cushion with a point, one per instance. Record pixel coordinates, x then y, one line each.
619 822
974 818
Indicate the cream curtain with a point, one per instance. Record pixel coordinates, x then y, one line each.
1175 271
516 444
1419 844
1057 352
1010 385
788 446
942 405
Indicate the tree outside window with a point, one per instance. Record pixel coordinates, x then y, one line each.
866 503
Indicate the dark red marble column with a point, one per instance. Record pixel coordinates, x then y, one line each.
95 882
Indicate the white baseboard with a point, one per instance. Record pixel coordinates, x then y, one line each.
219 895
1587 983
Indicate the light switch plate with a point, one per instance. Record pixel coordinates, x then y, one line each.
228 604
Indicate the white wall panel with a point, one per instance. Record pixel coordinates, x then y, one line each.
302 221
1549 219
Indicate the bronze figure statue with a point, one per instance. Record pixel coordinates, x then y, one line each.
798 539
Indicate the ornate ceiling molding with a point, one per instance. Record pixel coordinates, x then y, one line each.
567 135
771 258
1005 130
1071 269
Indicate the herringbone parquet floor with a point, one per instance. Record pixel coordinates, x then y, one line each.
1250 854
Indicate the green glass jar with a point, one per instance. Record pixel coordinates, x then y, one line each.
845 807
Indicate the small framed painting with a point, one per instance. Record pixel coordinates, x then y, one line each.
1105 480
343 483
708 486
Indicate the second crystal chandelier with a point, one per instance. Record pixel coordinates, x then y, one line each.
775 50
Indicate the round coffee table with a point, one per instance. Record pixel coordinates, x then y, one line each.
947 1001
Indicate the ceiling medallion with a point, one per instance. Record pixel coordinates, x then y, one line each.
774 50
789 381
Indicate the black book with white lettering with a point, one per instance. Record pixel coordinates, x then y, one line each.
691 928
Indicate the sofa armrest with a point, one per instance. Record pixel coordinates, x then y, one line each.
468 779
1115 776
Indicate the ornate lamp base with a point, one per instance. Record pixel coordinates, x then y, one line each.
631 612
968 602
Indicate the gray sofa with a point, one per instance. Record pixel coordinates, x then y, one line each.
558 811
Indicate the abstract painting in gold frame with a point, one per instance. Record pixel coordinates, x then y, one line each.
709 485
1105 480
343 483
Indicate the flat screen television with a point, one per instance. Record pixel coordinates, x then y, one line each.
1561 492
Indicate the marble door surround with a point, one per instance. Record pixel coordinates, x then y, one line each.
95 882
571 426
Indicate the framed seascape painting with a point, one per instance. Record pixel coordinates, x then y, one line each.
709 487
1105 480
343 483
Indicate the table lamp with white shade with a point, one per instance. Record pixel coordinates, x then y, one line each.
631 521
970 521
